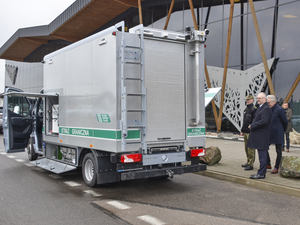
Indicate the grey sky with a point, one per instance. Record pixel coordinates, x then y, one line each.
15 14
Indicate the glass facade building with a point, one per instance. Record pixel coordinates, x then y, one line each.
278 22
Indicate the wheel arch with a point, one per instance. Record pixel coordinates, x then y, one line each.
85 151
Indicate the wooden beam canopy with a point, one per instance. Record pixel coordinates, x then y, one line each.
225 65
209 86
295 84
169 14
193 14
261 46
140 12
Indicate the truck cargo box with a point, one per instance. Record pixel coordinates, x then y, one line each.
123 105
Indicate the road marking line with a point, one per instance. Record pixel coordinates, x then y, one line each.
151 220
118 205
11 156
3 153
29 165
72 183
95 194
20 160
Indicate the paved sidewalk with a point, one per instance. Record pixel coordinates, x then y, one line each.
233 156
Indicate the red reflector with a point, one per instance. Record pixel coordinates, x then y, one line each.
131 158
114 33
197 152
204 46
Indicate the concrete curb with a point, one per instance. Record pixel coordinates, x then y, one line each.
253 183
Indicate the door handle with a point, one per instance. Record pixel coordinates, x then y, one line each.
27 120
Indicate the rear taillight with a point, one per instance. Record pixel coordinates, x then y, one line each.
197 152
131 158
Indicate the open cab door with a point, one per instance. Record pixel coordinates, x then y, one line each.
17 121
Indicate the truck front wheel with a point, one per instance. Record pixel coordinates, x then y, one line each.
88 170
30 150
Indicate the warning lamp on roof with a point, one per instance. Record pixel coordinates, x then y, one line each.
131 158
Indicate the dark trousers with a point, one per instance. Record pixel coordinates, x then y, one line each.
287 140
278 158
263 157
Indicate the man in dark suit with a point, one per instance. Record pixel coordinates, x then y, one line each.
259 134
279 124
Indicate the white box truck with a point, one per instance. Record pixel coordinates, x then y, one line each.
121 105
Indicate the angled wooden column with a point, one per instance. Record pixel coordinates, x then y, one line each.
209 86
193 14
295 84
225 65
169 14
140 11
261 46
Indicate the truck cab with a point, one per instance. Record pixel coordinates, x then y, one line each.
22 123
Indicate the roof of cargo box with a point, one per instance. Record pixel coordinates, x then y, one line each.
84 18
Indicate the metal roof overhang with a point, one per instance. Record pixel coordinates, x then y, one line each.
81 19
76 22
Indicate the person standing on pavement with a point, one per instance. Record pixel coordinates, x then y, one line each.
248 116
289 115
259 134
279 124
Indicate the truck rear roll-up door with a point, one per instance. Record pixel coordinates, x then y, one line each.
164 81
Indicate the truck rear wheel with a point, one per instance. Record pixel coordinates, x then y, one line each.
30 150
88 170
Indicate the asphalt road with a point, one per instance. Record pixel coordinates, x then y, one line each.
29 195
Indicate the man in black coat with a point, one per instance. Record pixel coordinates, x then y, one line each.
279 124
248 117
259 134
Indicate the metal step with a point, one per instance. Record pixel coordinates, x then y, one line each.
133 143
135 94
52 165
132 78
136 110
129 46
136 63
136 126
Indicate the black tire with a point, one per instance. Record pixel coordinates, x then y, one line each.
32 155
89 170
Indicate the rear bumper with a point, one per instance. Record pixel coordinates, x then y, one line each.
139 174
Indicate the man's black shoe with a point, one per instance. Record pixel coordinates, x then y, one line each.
245 165
257 176
248 167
